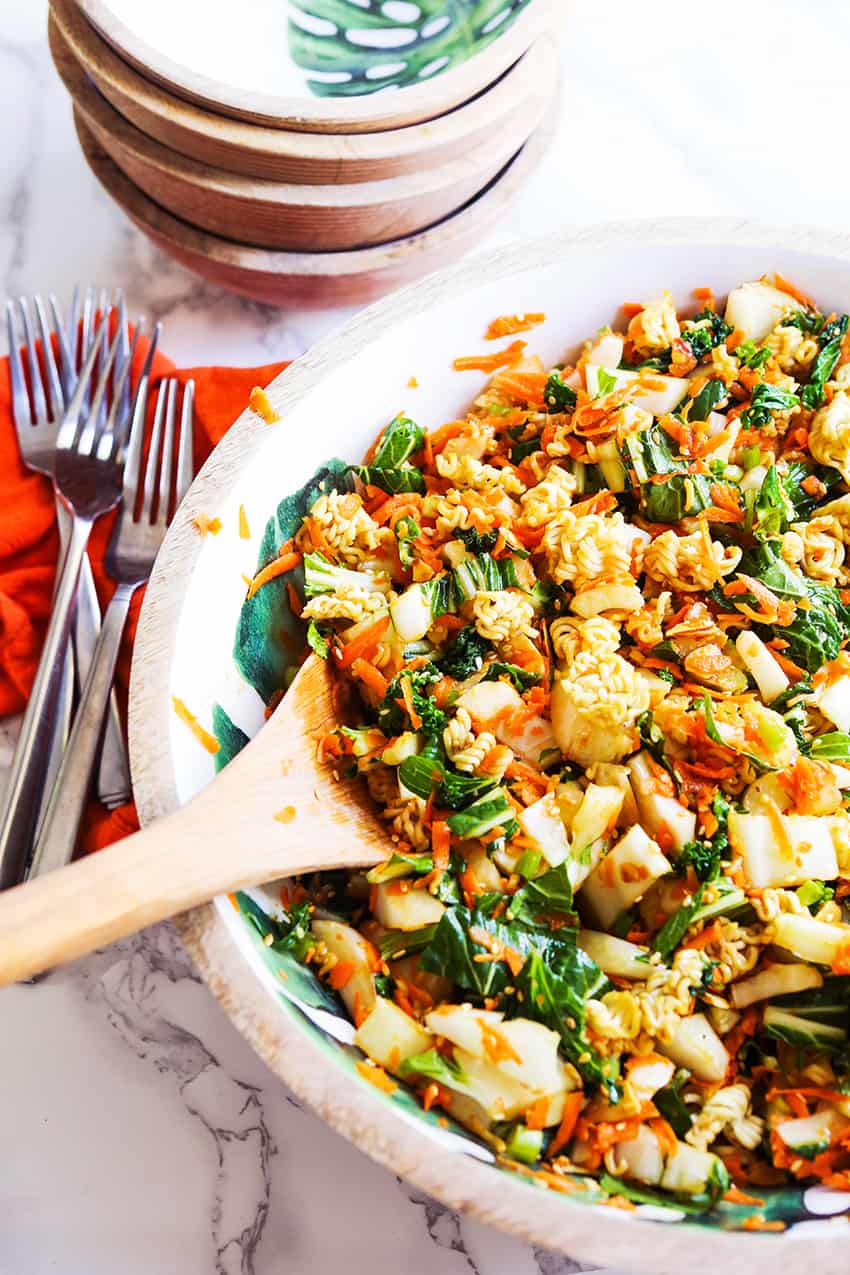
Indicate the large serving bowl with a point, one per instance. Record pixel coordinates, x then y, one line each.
331 403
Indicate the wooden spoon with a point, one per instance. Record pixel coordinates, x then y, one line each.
273 812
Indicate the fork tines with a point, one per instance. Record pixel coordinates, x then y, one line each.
42 385
164 482
29 399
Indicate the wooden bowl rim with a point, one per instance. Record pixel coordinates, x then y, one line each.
268 261
102 65
540 1217
361 114
102 118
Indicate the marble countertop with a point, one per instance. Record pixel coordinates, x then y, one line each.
140 1133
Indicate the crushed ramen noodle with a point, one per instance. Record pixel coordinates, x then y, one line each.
594 640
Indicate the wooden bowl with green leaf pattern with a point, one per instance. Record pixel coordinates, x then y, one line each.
227 658
324 65
278 154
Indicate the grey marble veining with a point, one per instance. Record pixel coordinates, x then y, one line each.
140 1133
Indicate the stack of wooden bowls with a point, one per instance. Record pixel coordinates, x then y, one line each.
320 152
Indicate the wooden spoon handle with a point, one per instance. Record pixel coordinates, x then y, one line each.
271 813
150 876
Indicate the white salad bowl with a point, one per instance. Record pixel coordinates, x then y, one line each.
332 402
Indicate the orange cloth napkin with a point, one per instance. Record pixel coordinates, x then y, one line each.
29 546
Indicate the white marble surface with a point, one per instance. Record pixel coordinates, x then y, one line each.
139 1132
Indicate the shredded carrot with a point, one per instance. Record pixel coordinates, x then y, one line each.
359 1013
206 526
491 362
535 1116
514 960
376 1076
604 1134
707 661
332 745
258 401
816 1093
784 285
496 1046
296 606
736 1196
370 676
663 1131
756 1222
521 770
407 698
789 668
841 960
441 840
525 387
437 1095
510 324
572 1108
439 437
244 529
727 498
406 502
277 567
202 735
341 975
365 644
709 935
601 503
743 1029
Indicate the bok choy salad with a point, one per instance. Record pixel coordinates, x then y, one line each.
592 645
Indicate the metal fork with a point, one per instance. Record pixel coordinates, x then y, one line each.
113 776
130 558
37 415
88 475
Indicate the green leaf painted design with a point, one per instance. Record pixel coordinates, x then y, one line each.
231 738
269 638
299 979
349 48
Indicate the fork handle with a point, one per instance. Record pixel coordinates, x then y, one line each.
57 837
113 777
65 698
29 764
113 780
